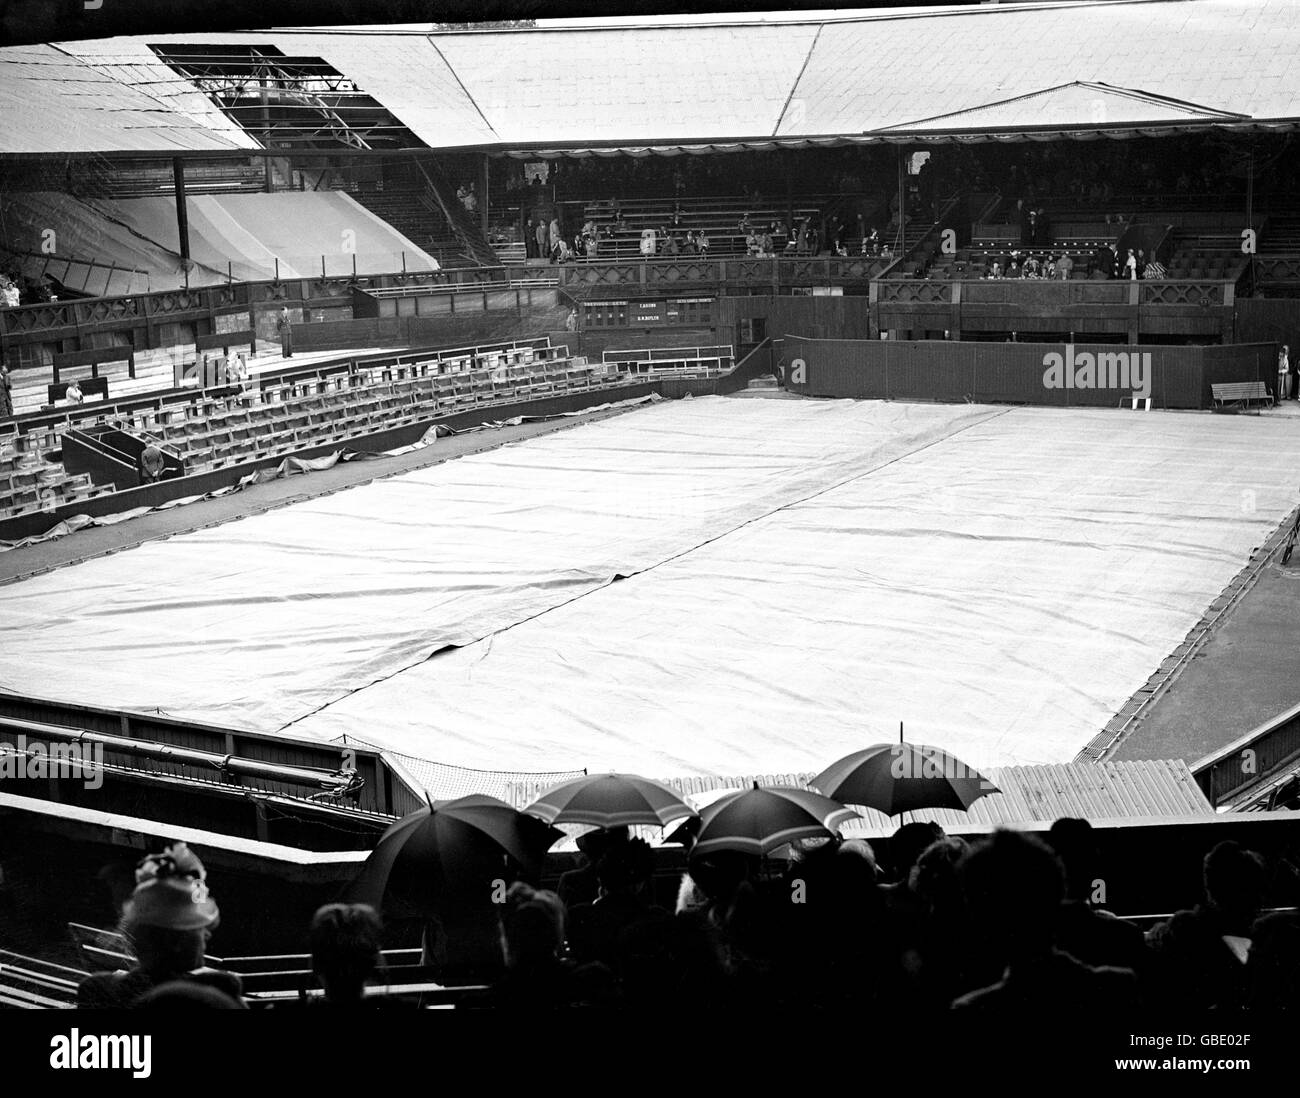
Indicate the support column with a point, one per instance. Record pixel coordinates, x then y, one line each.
902 202
182 215
484 198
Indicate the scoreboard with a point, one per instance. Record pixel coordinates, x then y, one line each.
648 312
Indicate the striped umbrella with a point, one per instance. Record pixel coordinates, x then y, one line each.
758 820
610 800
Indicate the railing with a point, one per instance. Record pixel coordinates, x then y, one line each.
1249 762
777 271
62 319
1051 293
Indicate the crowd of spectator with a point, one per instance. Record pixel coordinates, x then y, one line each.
1007 924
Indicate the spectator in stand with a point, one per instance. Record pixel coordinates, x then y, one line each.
1283 375
1140 267
648 243
1065 267
672 246
751 244
689 247
1104 262
1199 956
555 233
532 941
1049 268
10 296
73 393
1084 931
702 242
1131 266
571 321
905 847
623 875
1274 964
152 464
345 951
6 392
168 921
284 325
1033 269
530 240
1024 221
471 200
540 235
1014 886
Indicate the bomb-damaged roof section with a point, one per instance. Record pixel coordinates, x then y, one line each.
1003 72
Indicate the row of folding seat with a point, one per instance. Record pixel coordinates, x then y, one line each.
271 430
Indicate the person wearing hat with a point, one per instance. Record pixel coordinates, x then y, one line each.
284 325
152 464
168 922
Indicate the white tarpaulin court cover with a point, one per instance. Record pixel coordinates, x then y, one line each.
711 586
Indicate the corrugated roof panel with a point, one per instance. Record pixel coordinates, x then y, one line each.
1027 794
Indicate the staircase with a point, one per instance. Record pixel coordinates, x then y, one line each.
441 195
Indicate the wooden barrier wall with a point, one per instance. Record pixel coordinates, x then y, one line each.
1015 373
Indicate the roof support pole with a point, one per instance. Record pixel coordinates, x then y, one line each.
182 215
485 197
902 201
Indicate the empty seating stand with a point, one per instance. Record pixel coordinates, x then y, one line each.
331 407
685 362
29 482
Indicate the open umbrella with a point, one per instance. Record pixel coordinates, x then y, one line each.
902 777
610 800
758 820
448 849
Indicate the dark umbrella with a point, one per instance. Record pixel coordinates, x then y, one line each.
610 800
448 848
902 777
758 820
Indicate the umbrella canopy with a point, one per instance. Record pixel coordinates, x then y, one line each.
902 777
758 820
610 800
450 849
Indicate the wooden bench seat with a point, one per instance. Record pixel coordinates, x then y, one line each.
1240 394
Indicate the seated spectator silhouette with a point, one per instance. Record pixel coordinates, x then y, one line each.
1014 886
623 873
168 921
829 948
905 847
73 393
187 995
1198 956
1087 933
345 951
536 977
581 885
1274 964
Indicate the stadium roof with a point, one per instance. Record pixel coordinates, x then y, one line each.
1105 69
